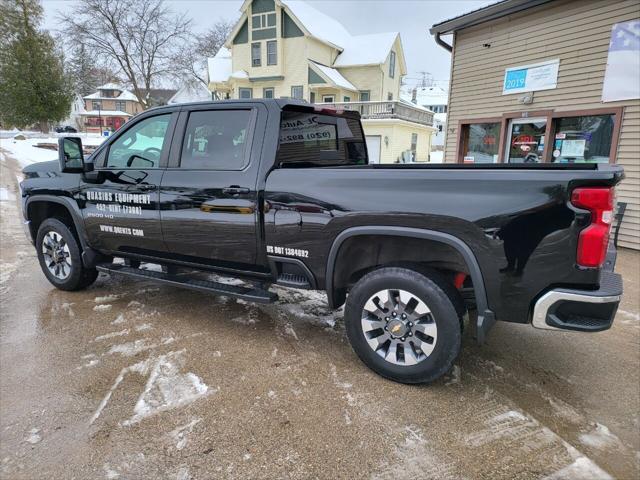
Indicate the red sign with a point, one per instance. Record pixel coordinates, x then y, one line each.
524 140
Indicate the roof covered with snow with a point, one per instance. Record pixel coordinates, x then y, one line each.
371 49
319 25
191 92
220 66
124 95
110 86
432 96
105 113
332 75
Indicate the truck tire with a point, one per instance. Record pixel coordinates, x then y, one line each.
403 325
59 256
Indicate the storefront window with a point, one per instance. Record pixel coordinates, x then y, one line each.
480 142
583 139
526 140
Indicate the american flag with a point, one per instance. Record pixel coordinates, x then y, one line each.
622 77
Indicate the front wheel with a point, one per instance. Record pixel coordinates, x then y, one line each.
59 256
403 325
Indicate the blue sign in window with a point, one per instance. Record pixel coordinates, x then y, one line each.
515 79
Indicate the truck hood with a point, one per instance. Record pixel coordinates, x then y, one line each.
37 169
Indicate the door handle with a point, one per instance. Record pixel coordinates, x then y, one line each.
146 188
235 190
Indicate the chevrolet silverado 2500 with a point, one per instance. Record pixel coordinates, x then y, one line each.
281 192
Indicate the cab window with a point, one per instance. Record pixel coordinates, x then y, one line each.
316 140
141 145
216 140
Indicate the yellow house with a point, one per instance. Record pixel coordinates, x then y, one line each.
287 48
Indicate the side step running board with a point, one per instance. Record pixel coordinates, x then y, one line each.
254 294
293 280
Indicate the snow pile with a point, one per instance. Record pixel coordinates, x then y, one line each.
167 388
600 437
26 152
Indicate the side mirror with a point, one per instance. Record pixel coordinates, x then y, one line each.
70 155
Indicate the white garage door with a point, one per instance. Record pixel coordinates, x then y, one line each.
373 146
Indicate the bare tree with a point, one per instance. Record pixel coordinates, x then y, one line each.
192 58
139 39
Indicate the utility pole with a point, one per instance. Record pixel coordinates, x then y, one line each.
427 79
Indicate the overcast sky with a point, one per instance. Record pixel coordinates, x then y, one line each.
412 18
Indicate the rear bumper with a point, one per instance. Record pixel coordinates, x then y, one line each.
580 310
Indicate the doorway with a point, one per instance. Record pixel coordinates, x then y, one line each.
525 140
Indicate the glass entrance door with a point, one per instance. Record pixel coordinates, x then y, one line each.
526 140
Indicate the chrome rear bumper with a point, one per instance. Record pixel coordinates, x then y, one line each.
579 310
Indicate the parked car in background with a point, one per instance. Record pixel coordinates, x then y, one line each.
65 129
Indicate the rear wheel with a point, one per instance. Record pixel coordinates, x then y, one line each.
59 256
403 325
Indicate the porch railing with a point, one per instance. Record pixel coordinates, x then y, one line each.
388 109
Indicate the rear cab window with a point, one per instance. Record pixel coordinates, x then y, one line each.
318 139
216 140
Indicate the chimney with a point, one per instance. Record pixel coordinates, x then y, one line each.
414 95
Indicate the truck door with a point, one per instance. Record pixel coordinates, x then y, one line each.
121 209
208 197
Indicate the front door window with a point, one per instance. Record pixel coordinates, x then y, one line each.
140 146
526 140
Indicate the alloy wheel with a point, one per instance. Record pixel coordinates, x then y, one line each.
56 254
399 327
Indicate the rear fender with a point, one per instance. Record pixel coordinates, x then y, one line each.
486 318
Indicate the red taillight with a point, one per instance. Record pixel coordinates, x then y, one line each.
593 240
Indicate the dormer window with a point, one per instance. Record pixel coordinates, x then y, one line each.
265 20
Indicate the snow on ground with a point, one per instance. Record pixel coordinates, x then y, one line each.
168 388
26 152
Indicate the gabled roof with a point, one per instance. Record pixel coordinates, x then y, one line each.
356 50
193 91
372 49
332 76
124 94
317 24
220 66
110 86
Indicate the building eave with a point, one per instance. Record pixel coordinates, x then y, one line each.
484 14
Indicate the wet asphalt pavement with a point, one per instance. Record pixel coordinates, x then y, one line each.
133 380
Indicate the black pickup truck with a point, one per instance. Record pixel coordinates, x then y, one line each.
281 192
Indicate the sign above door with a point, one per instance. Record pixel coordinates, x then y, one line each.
531 78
